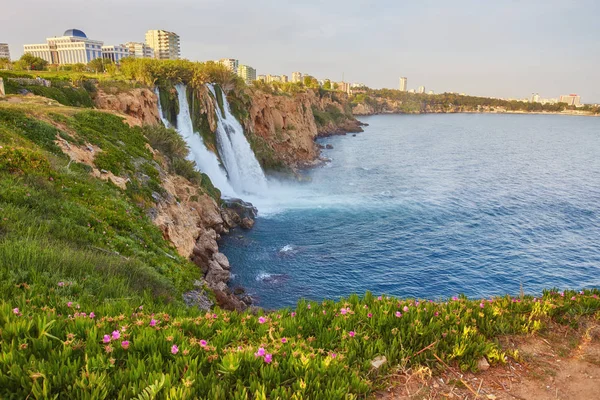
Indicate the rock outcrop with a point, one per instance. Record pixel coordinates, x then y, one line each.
289 124
140 106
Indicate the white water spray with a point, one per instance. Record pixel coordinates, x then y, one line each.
206 161
245 173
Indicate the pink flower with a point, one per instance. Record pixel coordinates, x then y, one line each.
351 333
398 314
343 311
379 298
332 355
106 339
215 316
116 335
268 358
174 349
436 313
370 315
61 284
283 340
140 307
203 343
573 298
581 292
70 304
125 344
481 305
260 352
261 320
324 312
16 311
153 322
308 306
454 298
405 308
293 314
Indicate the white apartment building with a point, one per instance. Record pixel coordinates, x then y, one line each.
247 73
571 99
139 50
421 89
165 44
71 48
296 77
4 51
115 53
403 84
230 63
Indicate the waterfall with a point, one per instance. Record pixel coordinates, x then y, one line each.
161 114
206 160
245 173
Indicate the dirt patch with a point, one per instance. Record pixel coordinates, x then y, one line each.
562 363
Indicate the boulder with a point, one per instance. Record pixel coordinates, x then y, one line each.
222 260
242 208
329 146
216 274
247 223
482 364
229 302
199 299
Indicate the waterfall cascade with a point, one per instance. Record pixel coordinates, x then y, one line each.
245 173
242 173
206 160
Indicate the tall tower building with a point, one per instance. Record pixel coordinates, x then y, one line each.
4 51
230 63
421 89
247 73
165 44
296 77
403 83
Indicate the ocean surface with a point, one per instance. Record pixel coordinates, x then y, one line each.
432 206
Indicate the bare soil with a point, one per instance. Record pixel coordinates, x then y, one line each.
561 363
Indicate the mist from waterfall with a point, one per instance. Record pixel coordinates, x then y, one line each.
206 161
243 169
161 113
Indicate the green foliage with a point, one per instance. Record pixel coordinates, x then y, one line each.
29 62
319 350
99 64
169 102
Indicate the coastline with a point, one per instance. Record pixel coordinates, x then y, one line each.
567 113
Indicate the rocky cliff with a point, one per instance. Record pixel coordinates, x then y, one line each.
140 106
290 123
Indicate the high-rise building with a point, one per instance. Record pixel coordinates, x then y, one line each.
230 63
284 78
71 48
296 77
421 89
262 78
571 99
165 44
273 78
344 87
535 98
247 73
115 53
403 84
139 50
4 51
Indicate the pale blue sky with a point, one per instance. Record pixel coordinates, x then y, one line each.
501 48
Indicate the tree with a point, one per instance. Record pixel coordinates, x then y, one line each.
98 65
327 84
30 62
79 67
5 63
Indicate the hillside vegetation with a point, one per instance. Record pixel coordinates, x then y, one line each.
90 290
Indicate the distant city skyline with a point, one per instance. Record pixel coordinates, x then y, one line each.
501 49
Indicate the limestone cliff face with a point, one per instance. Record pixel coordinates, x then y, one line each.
290 123
286 124
139 106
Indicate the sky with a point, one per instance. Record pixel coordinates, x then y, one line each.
502 48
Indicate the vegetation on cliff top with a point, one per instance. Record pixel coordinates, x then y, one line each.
406 102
